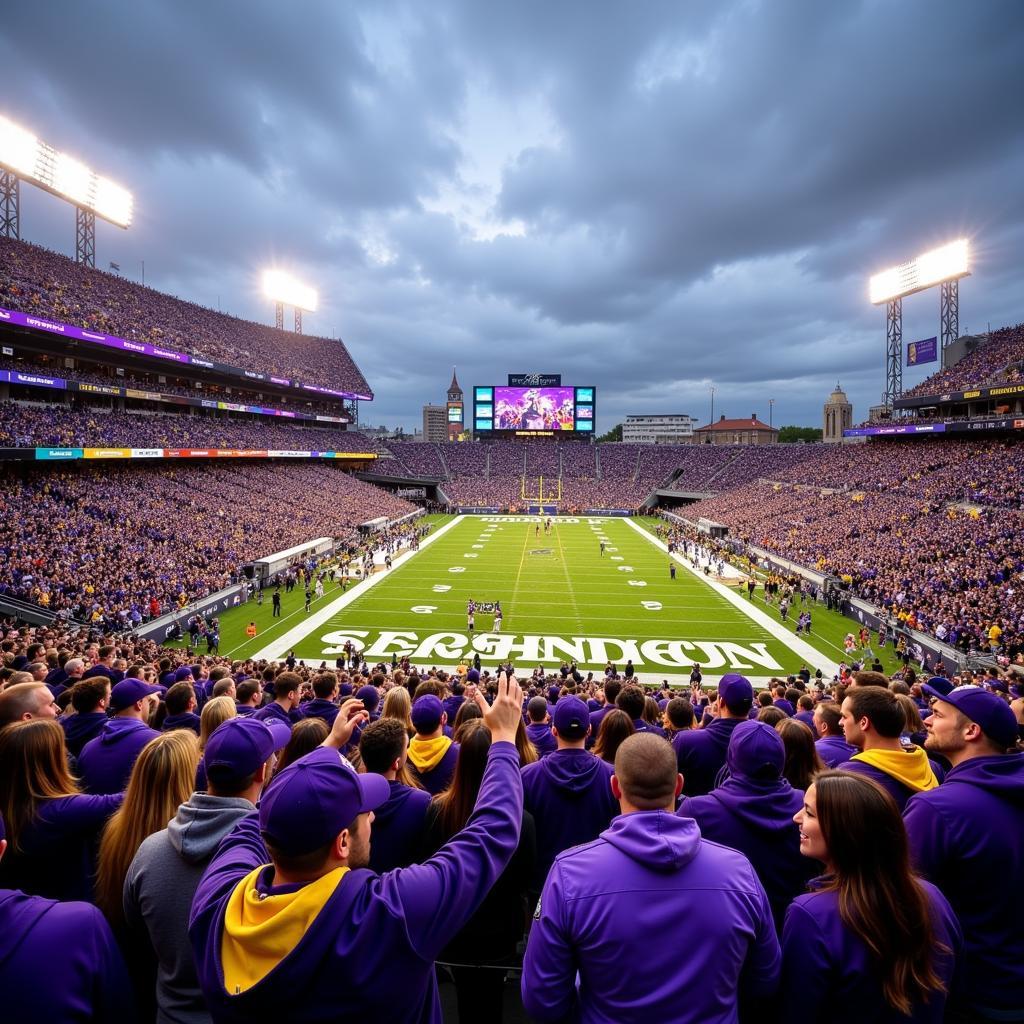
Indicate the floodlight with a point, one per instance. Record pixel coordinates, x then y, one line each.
113 202
279 286
62 174
943 264
19 148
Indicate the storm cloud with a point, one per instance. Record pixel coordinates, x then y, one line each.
654 198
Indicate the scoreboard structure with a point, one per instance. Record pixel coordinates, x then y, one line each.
534 405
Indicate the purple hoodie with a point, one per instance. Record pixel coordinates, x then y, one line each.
828 975
648 878
967 837
752 811
93 982
569 794
186 720
369 953
834 750
80 728
106 762
701 754
319 708
398 825
57 851
540 735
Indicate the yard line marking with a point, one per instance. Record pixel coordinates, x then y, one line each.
284 643
810 655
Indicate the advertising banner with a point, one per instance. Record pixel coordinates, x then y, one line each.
924 351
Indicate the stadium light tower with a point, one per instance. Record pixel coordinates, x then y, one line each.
285 290
944 267
23 157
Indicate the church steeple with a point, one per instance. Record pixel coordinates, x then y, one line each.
454 388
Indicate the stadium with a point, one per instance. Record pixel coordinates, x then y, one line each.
461 725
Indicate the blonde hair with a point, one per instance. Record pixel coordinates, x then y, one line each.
398 704
33 768
162 778
215 712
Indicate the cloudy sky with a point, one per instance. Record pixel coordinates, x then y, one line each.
652 197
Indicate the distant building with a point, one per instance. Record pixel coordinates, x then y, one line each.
838 415
456 410
435 423
659 428
751 431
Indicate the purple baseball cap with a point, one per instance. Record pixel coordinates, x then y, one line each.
939 683
426 712
571 718
370 696
312 800
130 691
756 751
736 692
472 676
184 674
237 748
984 708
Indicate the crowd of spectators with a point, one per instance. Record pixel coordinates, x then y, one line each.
954 573
119 543
104 374
997 360
43 283
843 845
27 425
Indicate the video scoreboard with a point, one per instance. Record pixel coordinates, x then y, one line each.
528 410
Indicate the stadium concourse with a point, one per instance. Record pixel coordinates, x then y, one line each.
198 835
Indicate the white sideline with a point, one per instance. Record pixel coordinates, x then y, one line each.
286 641
810 655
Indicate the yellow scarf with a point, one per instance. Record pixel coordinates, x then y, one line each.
911 767
427 754
260 931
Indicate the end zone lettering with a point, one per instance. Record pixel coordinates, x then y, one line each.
531 650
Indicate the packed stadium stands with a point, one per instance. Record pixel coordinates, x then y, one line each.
43 283
998 360
104 542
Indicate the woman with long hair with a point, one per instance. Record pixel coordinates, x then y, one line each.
216 712
51 825
488 942
468 711
616 726
398 704
307 735
527 751
161 780
871 940
803 761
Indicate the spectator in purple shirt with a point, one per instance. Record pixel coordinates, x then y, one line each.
93 983
967 835
90 698
106 762
538 730
871 941
649 874
432 754
180 701
399 822
828 727
325 699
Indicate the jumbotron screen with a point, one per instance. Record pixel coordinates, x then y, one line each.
533 410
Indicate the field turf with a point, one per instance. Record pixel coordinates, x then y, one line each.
562 600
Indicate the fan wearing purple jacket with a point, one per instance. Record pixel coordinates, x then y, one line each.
967 836
649 874
538 730
828 729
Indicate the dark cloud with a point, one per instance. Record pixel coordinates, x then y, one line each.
651 197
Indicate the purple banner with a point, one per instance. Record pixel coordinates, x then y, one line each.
909 428
34 379
924 351
14 318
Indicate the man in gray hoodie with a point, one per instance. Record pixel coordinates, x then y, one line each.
163 877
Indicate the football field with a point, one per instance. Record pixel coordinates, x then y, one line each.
562 597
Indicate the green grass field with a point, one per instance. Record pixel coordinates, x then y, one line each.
562 600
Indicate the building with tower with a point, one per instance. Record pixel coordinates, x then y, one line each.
456 409
838 415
